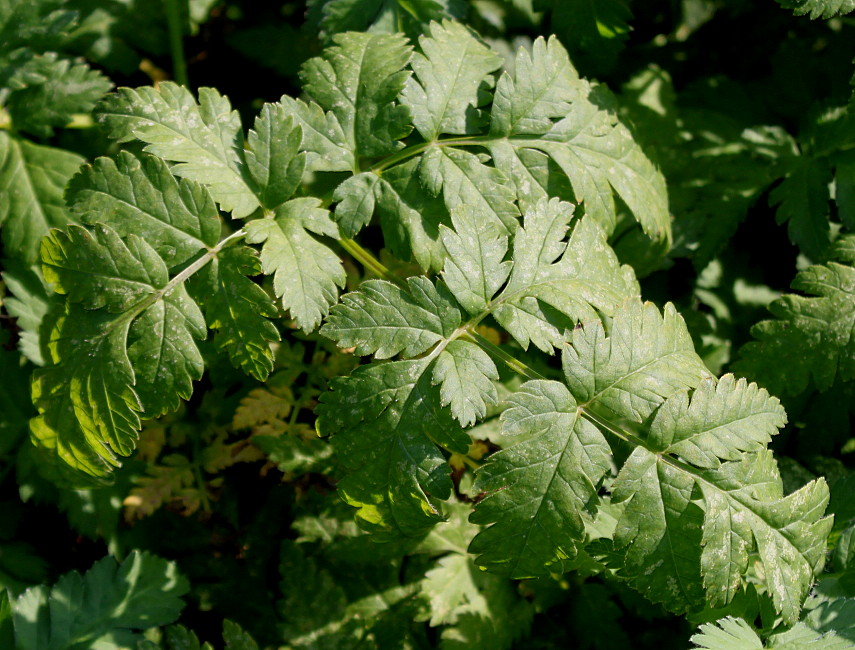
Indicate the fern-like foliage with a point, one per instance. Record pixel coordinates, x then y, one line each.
391 415
154 267
546 128
125 344
810 342
819 8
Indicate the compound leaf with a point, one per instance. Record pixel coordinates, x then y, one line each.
576 125
686 521
205 139
109 604
810 340
144 335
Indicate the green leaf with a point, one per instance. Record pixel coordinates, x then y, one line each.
98 269
466 374
687 521
450 589
646 358
660 527
7 632
204 139
819 8
802 200
386 16
106 607
727 634
464 180
388 420
385 320
140 196
829 624
721 420
542 89
358 80
553 285
32 178
47 90
306 273
124 345
163 352
355 198
597 27
745 499
239 310
28 304
410 216
577 127
88 408
474 270
810 340
236 638
446 92
273 156
538 489
322 608
144 336
324 140
39 25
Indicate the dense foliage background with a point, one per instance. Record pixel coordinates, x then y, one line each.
747 110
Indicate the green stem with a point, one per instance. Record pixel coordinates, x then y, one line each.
416 149
369 261
78 121
197 474
176 42
469 462
495 351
